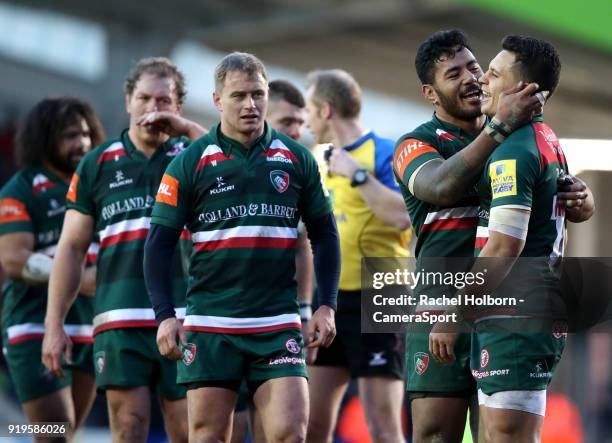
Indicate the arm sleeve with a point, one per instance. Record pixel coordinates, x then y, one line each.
513 172
159 249
79 191
14 215
325 243
409 156
173 194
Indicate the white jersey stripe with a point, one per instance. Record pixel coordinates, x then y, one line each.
117 146
211 150
444 214
240 323
125 226
16 331
245 231
130 314
482 231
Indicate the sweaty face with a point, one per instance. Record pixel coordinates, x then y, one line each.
73 143
499 77
456 85
315 120
242 102
151 94
286 118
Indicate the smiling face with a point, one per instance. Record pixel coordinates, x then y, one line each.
455 91
500 77
242 102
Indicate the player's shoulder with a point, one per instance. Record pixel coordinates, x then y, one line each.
19 183
520 143
425 133
110 149
280 142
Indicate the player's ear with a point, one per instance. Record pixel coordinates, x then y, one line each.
127 103
217 101
430 94
326 110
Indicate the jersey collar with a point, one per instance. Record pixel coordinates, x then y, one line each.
228 144
452 129
360 141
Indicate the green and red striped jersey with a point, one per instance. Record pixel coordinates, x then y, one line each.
242 209
441 231
116 185
522 174
34 201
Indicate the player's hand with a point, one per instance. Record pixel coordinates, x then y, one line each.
311 353
571 191
55 343
342 163
172 124
167 333
517 106
442 340
322 327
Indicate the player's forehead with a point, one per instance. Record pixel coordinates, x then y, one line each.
282 108
503 61
151 84
237 80
75 124
462 57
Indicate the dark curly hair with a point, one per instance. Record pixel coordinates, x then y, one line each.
39 133
439 44
537 60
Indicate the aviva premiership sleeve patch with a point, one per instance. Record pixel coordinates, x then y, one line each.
503 178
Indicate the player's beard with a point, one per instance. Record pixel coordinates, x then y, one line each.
453 107
66 164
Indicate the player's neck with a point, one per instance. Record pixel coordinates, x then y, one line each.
246 139
147 149
346 132
472 126
65 176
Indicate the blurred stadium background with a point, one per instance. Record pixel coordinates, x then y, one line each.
85 48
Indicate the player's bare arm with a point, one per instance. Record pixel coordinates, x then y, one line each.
88 282
506 249
388 205
172 124
20 262
64 284
443 182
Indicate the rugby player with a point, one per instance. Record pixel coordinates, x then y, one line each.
112 194
437 165
241 199
286 114
55 135
519 216
372 222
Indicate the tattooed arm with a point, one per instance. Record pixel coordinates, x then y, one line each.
443 182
